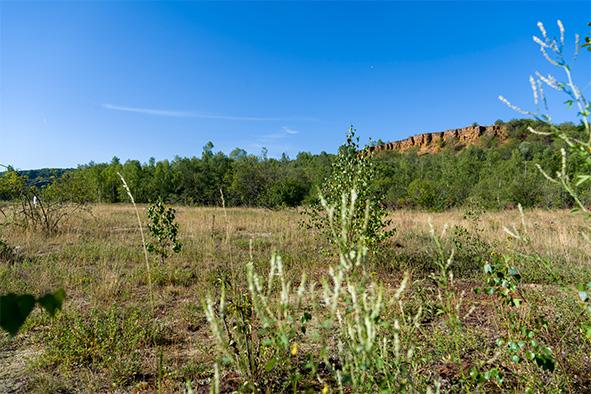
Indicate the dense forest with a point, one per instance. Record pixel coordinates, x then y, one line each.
490 174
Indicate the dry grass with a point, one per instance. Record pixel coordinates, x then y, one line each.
98 260
551 233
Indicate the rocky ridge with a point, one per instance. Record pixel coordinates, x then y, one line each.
434 142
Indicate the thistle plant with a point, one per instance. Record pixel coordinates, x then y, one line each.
259 333
370 359
577 143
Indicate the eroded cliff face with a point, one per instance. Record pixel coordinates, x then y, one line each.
434 142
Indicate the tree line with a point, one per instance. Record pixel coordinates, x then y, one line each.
491 174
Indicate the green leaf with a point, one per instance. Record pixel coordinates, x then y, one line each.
513 271
52 302
530 334
546 362
270 364
582 179
516 301
14 310
533 343
513 346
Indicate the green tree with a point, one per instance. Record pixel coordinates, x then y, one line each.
11 184
163 229
353 170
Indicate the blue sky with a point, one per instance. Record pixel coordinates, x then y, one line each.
82 81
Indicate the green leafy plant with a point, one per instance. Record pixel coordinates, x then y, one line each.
522 341
258 333
263 334
163 229
469 243
352 170
11 183
502 279
15 308
577 143
102 340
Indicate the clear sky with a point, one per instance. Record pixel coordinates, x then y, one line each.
82 81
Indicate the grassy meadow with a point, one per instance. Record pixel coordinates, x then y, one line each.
109 338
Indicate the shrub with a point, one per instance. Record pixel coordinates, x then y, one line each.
352 170
260 334
422 193
43 208
108 341
163 229
289 191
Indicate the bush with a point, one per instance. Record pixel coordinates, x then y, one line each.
163 229
262 334
422 193
289 191
353 170
108 341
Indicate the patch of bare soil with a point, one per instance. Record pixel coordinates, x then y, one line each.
13 367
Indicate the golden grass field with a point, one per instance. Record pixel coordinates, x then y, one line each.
98 259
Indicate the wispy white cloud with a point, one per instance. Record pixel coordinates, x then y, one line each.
283 133
149 111
289 130
199 115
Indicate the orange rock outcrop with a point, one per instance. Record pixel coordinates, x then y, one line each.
434 142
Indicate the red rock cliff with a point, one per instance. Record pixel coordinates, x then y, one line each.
434 142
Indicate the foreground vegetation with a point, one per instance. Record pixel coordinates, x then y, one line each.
108 337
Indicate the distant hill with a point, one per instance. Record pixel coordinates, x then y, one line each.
43 176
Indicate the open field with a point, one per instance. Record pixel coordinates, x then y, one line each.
107 338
